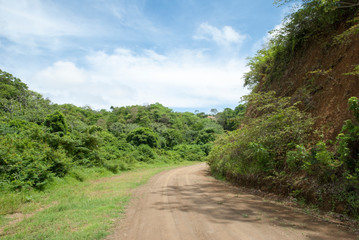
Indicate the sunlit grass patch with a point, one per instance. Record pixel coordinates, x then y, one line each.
72 209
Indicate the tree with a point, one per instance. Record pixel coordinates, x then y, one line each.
13 92
172 137
56 123
142 135
334 3
205 136
230 119
214 111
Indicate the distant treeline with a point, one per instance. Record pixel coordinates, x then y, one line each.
40 140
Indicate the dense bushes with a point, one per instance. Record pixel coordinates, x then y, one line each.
56 123
275 142
287 158
25 162
348 142
40 140
313 19
230 119
12 92
190 152
261 144
141 136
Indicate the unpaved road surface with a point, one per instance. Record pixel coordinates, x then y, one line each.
187 204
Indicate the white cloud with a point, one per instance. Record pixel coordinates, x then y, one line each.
180 79
61 75
224 37
31 23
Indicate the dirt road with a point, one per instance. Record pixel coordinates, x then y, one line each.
187 204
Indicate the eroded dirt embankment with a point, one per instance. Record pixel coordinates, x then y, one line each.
186 203
321 76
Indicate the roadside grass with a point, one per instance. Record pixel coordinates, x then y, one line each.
73 207
218 176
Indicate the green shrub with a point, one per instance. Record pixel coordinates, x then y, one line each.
230 119
348 140
205 136
77 173
262 142
58 162
259 155
298 158
117 129
172 137
112 166
56 123
145 153
40 140
312 19
206 148
323 156
354 106
141 136
5 128
24 163
190 152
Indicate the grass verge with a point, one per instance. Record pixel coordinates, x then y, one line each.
74 207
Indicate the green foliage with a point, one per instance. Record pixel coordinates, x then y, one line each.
298 158
262 142
339 168
354 106
348 141
273 143
13 92
230 119
335 166
344 37
144 153
141 136
117 129
190 152
56 123
323 156
322 163
172 138
261 65
41 141
328 5
24 162
355 72
205 136
206 148
312 19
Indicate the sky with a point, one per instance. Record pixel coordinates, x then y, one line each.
185 54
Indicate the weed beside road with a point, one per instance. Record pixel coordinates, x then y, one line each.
72 209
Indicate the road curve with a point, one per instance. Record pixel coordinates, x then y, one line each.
187 204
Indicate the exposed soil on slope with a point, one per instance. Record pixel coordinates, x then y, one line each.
317 77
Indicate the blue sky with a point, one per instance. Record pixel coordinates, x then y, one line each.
185 54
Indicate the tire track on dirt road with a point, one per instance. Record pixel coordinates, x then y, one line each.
187 204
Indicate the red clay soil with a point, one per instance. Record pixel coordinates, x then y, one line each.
317 76
187 203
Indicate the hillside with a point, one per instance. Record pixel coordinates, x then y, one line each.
41 141
321 74
300 133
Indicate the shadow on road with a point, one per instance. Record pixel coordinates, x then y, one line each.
222 204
